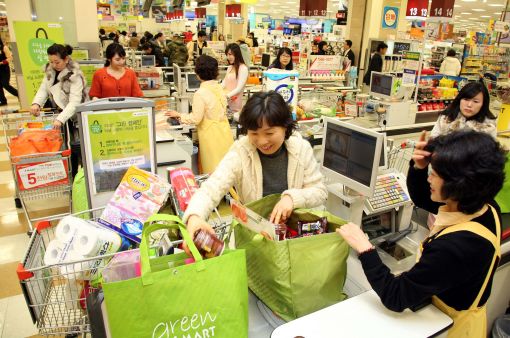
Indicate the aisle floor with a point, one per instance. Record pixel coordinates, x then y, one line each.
15 321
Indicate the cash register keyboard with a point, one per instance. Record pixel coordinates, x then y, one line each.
388 194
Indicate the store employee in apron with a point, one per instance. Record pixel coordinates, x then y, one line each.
456 263
209 115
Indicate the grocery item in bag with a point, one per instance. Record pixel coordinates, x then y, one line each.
139 195
184 183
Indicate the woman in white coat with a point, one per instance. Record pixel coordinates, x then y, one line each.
450 65
270 159
65 87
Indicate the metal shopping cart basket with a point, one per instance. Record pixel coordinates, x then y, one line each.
399 155
41 176
56 294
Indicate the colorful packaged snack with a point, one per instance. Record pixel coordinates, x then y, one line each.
313 228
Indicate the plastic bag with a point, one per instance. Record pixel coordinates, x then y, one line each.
36 141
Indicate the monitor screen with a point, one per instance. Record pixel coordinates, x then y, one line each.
192 81
148 61
351 155
266 60
381 84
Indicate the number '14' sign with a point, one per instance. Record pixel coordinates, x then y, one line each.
442 8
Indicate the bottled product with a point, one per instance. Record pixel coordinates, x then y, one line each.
208 244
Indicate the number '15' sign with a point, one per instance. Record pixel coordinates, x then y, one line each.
442 8
417 8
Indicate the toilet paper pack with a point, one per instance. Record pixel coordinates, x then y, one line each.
139 195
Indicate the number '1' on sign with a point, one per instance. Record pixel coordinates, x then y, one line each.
442 8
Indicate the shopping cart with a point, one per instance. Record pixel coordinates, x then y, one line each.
41 176
399 155
56 294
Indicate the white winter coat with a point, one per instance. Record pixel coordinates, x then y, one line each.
450 66
241 167
67 93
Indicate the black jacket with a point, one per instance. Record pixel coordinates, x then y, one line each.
375 65
452 267
350 56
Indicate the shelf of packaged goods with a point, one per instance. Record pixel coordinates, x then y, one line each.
430 100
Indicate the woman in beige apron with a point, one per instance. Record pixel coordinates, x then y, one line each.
209 115
456 263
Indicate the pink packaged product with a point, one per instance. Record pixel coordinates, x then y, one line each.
139 195
184 183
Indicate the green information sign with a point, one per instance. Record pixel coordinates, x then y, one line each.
33 39
117 141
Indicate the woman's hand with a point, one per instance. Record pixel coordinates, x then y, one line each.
282 210
196 223
35 109
421 157
57 124
173 113
355 237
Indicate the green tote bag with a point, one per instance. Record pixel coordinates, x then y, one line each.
298 276
208 298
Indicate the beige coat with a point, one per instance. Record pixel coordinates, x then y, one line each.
241 168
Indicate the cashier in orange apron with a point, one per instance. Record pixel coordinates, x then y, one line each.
456 176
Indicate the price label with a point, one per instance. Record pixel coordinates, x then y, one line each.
42 174
313 7
442 8
417 9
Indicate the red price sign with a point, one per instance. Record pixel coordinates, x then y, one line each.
200 12
442 8
233 11
417 9
313 7
43 174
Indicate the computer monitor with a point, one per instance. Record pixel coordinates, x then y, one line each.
148 61
177 76
350 155
192 82
384 86
266 60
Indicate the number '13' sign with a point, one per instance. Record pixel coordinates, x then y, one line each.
417 8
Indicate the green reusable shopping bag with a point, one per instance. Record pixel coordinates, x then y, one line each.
298 276
208 298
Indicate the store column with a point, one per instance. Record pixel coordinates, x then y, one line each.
18 10
371 29
221 18
87 28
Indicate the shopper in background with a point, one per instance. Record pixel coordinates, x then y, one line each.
115 79
456 176
245 51
270 159
195 47
152 49
236 77
65 87
221 37
123 39
160 41
283 60
450 65
177 51
251 40
348 53
376 62
134 41
322 48
209 115
102 35
469 110
5 73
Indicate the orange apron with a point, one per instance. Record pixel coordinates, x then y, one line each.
214 135
471 323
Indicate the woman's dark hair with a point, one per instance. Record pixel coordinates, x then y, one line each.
102 31
112 35
277 64
123 33
238 56
201 33
147 46
266 106
206 67
381 46
349 43
112 50
321 46
158 35
471 164
468 92
252 35
134 34
451 52
60 50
